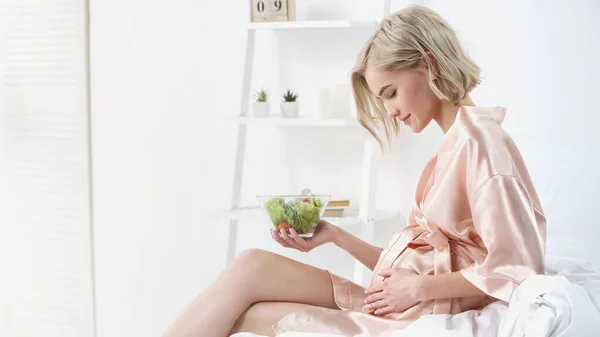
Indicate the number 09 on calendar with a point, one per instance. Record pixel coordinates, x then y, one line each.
272 10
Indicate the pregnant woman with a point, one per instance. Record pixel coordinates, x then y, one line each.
476 229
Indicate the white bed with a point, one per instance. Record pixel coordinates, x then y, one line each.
564 302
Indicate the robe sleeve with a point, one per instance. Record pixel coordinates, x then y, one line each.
507 222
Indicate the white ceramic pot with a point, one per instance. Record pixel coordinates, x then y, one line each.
324 103
340 101
260 109
289 109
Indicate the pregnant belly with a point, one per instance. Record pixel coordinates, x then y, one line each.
421 260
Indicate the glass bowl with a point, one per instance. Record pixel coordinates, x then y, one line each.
300 212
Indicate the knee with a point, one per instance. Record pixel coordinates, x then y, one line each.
255 312
254 260
258 318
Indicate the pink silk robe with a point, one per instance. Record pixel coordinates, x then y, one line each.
476 211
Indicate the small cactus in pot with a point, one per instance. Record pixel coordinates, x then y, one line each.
260 106
289 106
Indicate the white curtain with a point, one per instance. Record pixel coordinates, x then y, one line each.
46 286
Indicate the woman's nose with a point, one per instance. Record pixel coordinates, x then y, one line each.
393 113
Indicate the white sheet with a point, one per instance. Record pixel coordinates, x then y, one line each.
565 302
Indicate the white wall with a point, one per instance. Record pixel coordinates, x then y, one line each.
161 74
164 73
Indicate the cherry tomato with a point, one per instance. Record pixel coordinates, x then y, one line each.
283 225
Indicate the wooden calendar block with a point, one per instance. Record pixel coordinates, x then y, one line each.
260 10
278 7
272 10
291 10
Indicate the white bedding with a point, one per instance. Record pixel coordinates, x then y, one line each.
564 302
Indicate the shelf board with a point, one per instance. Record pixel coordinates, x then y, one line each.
301 121
283 25
243 212
346 221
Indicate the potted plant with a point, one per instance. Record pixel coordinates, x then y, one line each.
260 107
289 106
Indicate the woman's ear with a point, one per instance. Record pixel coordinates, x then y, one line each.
432 61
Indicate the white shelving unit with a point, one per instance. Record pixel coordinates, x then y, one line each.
313 24
301 121
366 215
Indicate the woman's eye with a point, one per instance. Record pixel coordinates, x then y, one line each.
393 94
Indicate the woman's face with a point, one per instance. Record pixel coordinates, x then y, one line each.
406 96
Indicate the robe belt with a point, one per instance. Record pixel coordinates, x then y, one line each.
442 261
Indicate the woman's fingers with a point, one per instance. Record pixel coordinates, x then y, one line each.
367 310
279 240
299 240
376 288
374 297
290 241
295 241
375 306
383 311
385 273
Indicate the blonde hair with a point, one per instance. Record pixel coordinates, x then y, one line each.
402 40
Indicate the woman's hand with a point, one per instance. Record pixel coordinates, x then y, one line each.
398 292
324 233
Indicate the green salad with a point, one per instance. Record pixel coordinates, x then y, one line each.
301 215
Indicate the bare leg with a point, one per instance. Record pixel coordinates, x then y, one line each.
254 276
261 316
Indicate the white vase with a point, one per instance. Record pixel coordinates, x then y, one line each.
323 109
340 101
289 109
260 109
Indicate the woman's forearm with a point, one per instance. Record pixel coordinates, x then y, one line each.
451 285
361 250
